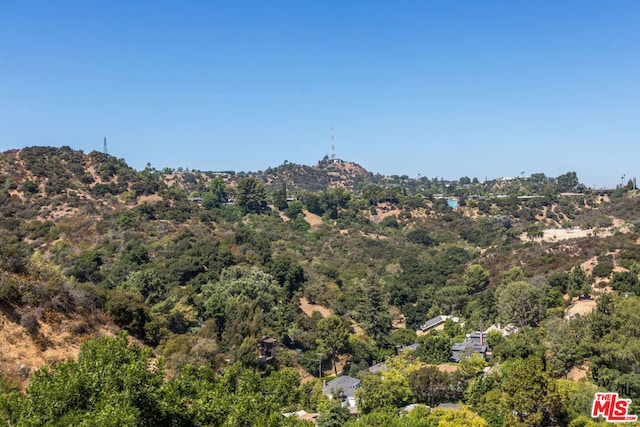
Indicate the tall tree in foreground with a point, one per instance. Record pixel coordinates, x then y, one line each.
333 336
530 393
110 385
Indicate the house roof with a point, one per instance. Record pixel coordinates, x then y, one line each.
413 347
412 406
467 346
435 321
448 406
347 384
378 367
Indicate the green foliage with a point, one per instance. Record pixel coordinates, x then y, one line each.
402 337
251 195
110 383
520 345
288 273
515 274
373 313
86 268
280 198
13 253
484 396
615 347
420 236
390 222
435 348
128 310
216 195
578 283
625 281
337 416
147 283
529 393
604 268
519 303
566 344
333 335
432 387
476 278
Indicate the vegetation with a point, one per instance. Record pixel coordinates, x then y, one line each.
243 291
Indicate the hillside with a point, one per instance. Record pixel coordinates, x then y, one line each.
203 267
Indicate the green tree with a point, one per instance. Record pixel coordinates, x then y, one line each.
216 195
530 394
288 273
251 195
514 274
475 278
566 343
279 198
567 182
337 416
454 418
111 384
432 387
333 335
147 283
374 315
128 310
435 348
578 283
388 391
519 303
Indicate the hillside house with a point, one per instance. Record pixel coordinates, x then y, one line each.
344 388
475 342
436 323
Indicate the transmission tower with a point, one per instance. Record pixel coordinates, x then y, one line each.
333 147
104 148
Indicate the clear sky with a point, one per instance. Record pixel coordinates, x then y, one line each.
436 88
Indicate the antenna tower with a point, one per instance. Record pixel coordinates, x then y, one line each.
333 147
104 148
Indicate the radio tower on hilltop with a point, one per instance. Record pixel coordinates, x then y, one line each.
333 147
104 148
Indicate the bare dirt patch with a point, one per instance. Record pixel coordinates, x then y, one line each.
313 219
398 320
577 373
56 340
149 199
589 264
581 307
383 212
560 234
309 308
447 367
369 235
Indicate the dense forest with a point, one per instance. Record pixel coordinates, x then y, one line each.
233 298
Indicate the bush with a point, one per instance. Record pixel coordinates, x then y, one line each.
129 311
8 292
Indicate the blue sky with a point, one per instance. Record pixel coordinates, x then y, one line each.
436 88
